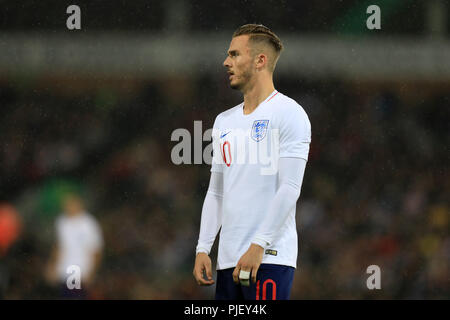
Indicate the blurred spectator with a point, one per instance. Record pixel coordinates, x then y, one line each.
9 232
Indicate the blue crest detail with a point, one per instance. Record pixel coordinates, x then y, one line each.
259 129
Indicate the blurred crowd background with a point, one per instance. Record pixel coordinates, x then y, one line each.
376 188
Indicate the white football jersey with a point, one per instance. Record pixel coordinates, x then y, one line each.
79 237
246 149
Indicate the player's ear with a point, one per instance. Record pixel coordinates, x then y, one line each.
261 61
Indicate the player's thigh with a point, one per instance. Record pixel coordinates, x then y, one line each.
226 289
273 282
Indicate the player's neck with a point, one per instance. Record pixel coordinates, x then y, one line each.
257 94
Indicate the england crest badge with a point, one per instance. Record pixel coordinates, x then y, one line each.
259 129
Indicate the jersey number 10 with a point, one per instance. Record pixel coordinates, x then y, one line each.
226 159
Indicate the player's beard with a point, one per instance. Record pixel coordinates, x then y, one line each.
244 79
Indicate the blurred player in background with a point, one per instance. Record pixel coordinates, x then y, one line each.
79 242
255 211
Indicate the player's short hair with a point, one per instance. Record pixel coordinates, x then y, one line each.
260 34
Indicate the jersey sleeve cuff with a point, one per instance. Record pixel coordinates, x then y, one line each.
201 249
260 242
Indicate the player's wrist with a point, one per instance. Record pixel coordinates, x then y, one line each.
257 246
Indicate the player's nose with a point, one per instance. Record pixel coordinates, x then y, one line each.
226 62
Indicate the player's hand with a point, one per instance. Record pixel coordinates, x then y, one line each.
250 261
203 264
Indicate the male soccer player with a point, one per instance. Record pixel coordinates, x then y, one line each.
79 243
255 209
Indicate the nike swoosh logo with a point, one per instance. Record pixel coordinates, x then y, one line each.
223 135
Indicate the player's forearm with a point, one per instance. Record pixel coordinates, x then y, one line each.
211 214
291 173
283 203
